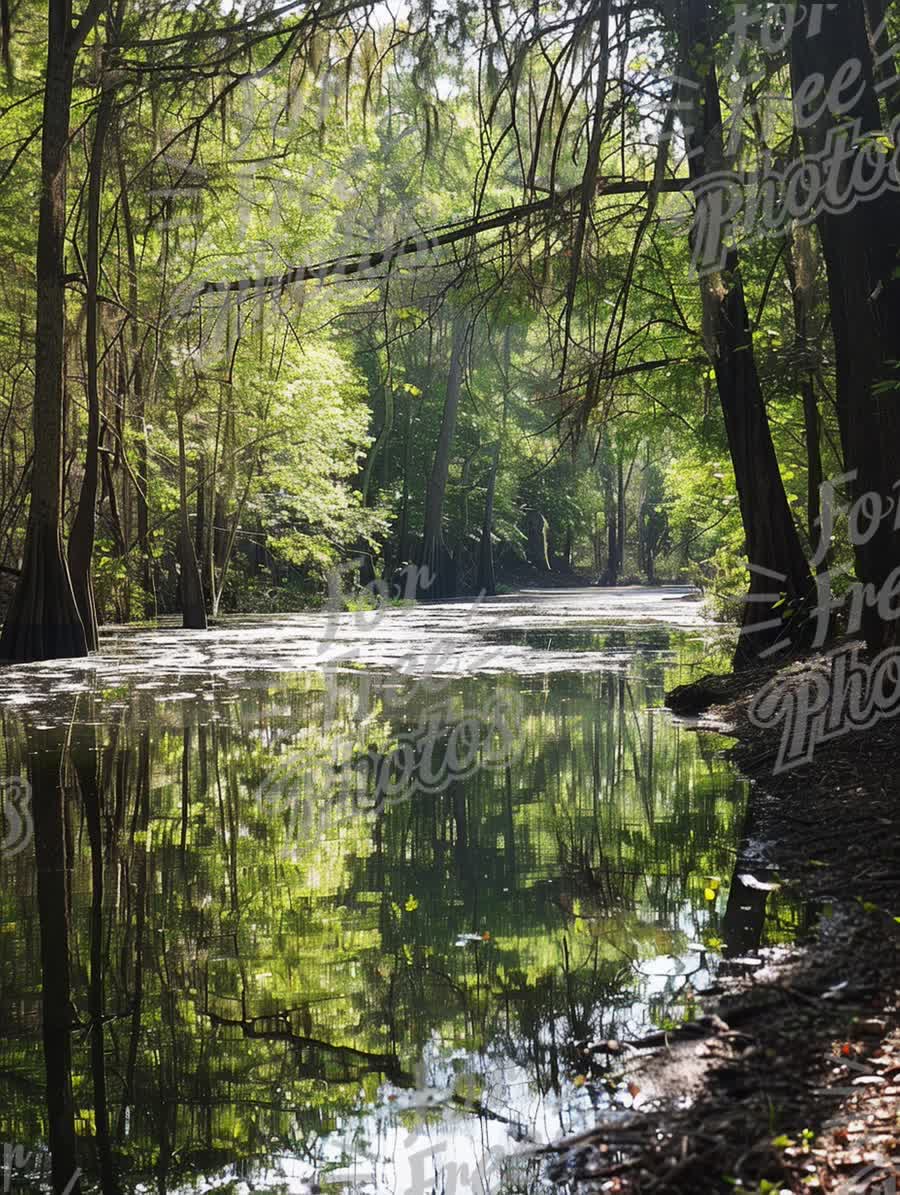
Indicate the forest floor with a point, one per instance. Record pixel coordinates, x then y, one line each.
790 1082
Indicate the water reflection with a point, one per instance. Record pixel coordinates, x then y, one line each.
283 935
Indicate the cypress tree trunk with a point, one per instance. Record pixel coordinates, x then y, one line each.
193 604
611 572
620 535
861 246
200 531
81 541
778 564
435 557
137 381
611 576
486 581
801 268
43 621
536 541
403 534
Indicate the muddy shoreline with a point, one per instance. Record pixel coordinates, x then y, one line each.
788 1080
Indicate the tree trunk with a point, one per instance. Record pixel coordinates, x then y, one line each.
435 557
536 541
611 576
620 535
380 445
81 540
801 268
43 621
608 468
137 382
193 605
885 71
5 38
486 582
861 247
597 545
200 531
403 534
777 562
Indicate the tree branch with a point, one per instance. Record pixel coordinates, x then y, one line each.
435 238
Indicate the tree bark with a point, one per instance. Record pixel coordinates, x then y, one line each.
43 621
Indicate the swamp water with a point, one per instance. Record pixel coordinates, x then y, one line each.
339 899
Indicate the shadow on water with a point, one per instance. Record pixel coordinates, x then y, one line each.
354 928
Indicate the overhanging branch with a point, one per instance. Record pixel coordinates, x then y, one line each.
357 263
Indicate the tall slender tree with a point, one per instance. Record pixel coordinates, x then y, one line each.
435 556
43 621
81 539
778 566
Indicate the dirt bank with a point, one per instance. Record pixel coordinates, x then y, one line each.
790 1080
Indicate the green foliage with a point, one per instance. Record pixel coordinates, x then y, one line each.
311 410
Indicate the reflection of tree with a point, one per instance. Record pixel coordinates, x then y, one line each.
45 756
251 972
94 784
134 917
316 1059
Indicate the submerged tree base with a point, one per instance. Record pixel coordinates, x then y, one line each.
43 622
437 573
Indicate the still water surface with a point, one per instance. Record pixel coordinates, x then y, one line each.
348 894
